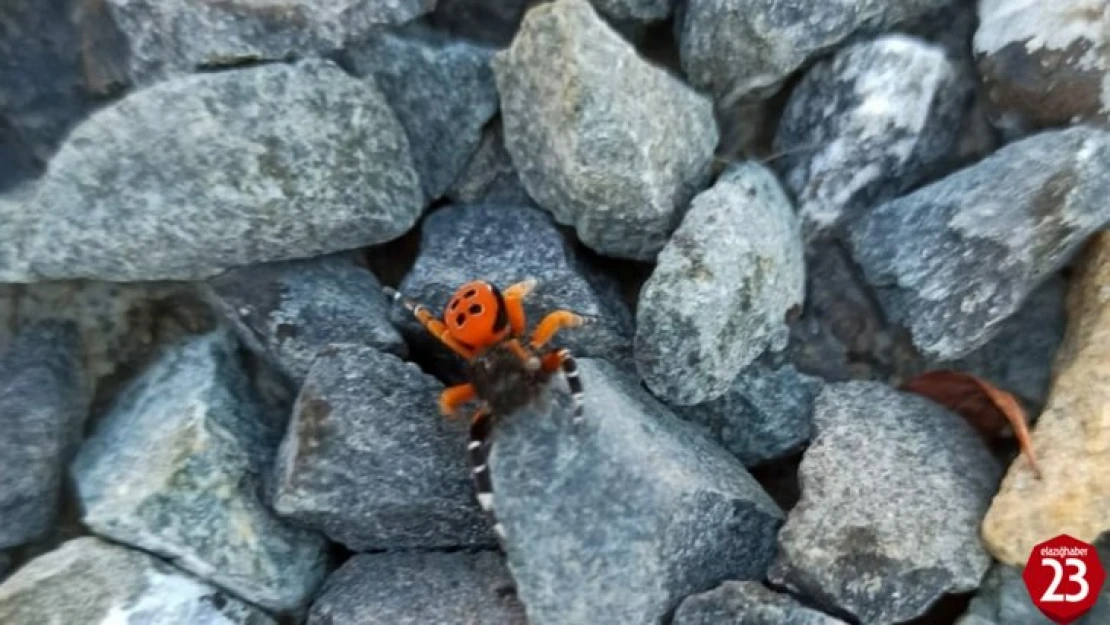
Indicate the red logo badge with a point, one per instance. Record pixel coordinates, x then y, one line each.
1064 578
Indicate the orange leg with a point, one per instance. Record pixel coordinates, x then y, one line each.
453 397
434 326
530 360
514 304
551 324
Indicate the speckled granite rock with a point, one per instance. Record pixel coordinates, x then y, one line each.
747 603
618 155
89 581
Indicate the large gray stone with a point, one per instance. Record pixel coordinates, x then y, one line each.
721 289
894 488
288 311
954 259
176 468
606 141
89 581
415 588
369 460
615 520
747 603
42 415
194 176
867 124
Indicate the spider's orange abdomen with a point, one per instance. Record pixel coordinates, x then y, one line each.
476 315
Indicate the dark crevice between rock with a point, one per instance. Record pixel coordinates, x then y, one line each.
780 479
391 261
812 603
630 274
945 611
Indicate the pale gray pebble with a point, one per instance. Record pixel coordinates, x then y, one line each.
197 175
369 460
747 603
177 468
419 588
954 259
90 581
619 517
894 488
721 289
616 154
490 177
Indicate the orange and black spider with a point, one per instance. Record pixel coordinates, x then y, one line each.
487 328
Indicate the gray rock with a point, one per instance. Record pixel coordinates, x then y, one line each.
953 259
42 413
635 10
490 176
721 289
743 50
369 460
288 311
616 154
191 177
442 91
894 488
617 519
7 562
176 468
94 582
868 124
487 21
747 603
1043 64
766 414
17 164
415 588
165 39
16 219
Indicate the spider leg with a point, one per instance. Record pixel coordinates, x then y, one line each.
434 326
514 304
562 359
552 323
453 397
477 450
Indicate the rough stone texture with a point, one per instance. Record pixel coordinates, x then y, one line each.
1071 435
94 582
288 311
176 466
617 519
16 219
17 164
194 176
42 412
1044 63
766 414
953 259
369 460
419 589
488 21
721 289
490 175
165 39
442 91
893 491
616 154
867 124
747 603
635 10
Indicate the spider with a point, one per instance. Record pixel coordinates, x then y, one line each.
486 328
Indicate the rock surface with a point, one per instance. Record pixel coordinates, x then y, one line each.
747 603
954 259
42 413
489 176
369 460
94 582
617 519
1071 435
721 289
288 311
488 21
617 154
176 468
885 466
255 166
867 124
419 589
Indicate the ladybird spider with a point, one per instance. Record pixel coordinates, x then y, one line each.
486 328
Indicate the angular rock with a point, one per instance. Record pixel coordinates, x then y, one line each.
868 124
191 177
747 603
1043 64
743 50
618 519
91 581
1071 435
369 460
893 490
489 177
954 259
288 311
442 91
721 289
417 588
42 415
176 468
766 414
618 155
